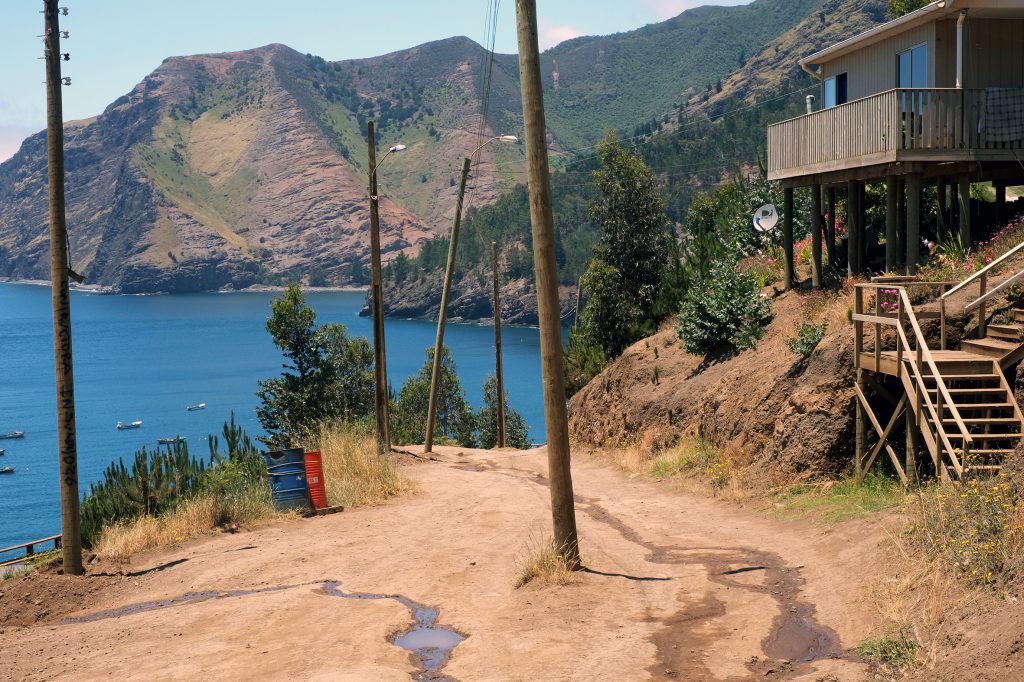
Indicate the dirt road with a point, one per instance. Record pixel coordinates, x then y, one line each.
678 587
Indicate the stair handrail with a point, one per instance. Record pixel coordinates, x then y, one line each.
924 358
984 293
984 271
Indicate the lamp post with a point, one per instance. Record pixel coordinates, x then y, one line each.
442 314
379 355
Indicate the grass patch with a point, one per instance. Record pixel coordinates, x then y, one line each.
836 501
543 562
694 456
354 473
897 652
191 517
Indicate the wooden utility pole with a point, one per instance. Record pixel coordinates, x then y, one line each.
499 375
67 439
563 512
379 355
442 314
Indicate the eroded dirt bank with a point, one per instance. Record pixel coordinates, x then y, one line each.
678 587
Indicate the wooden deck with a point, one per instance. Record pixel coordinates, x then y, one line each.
944 125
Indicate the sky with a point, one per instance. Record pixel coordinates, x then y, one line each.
114 44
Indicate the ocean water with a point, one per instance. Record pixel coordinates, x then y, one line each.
149 357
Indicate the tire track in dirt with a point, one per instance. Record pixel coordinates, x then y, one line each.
795 640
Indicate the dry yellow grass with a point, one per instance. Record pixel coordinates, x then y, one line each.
199 515
355 475
542 562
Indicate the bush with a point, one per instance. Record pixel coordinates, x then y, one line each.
583 362
454 423
725 308
808 336
516 434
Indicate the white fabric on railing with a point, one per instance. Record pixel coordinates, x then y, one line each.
1004 114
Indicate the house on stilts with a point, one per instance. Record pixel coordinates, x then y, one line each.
933 98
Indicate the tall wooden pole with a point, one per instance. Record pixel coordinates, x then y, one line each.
964 187
379 354
67 439
563 512
499 374
442 314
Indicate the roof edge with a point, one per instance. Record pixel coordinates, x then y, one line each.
878 33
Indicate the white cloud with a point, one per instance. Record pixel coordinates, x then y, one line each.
549 36
666 9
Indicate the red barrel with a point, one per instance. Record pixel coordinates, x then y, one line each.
315 477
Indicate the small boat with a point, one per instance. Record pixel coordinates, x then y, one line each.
2 451
169 441
15 434
7 470
193 408
121 426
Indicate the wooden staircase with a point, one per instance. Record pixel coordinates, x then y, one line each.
958 400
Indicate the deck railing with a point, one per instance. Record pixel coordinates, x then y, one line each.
878 128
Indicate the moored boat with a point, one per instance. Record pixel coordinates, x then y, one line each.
169 441
193 408
2 451
14 434
121 426
7 470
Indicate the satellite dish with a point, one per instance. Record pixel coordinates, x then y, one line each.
766 218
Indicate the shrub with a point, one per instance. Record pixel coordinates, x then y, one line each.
725 308
808 336
354 473
583 362
973 527
516 434
543 562
454 421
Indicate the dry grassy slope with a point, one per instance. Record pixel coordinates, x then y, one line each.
791 415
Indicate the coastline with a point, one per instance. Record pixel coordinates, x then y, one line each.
255 288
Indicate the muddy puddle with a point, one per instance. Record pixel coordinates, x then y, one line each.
429 644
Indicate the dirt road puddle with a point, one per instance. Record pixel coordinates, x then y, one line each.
429 643
187 598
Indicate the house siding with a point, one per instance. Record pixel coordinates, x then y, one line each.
873 69
996 55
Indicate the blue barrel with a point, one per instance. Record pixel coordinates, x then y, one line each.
287 472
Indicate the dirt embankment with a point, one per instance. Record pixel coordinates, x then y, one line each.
792 414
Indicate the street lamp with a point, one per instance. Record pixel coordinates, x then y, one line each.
379 355
442 314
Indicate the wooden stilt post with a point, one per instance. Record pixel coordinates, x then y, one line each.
862 226
787 235
852 233
499 374
1000 202
943 226
442 314
830 229
913 222
563 512
67 431
901 223
912 440
816 236
891 209
964 187
861 425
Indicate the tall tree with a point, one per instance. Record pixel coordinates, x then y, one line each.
897 8
328 376
455 421
631 254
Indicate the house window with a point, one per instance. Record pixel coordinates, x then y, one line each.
912 68
835 90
